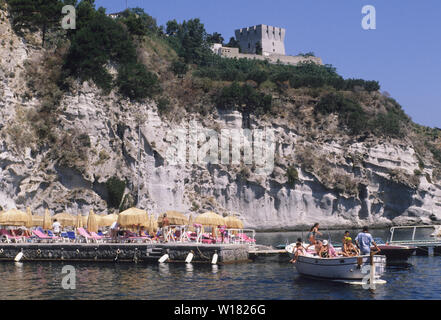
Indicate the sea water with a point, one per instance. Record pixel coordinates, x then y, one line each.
264 279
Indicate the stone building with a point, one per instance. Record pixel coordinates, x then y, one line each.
271 39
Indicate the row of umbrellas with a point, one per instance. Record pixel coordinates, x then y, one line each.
132 217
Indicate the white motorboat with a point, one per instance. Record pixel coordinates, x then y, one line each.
340 268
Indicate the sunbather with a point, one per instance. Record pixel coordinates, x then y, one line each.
349 250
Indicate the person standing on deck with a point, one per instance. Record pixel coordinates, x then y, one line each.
312 232
364 241
56 226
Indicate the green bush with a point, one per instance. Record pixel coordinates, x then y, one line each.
163 105
243 98
115 190
179 68
136 82
292 175
350 113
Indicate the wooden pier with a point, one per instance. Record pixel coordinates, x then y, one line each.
266 251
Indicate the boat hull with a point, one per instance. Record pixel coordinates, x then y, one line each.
343 268
396 253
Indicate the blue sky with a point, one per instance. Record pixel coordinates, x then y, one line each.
403 53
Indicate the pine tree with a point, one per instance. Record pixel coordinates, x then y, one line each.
35 15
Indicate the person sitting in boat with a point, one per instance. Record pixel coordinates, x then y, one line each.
317 246
364 241
343 241
312 232
349 250
298 251
324 250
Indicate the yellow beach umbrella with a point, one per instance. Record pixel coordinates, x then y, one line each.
30 222
79 221
47 222
92 222
84 219
15 217
175 218
37 221
190 223
233 222
133 217
210 218
108 220
65 219
153 225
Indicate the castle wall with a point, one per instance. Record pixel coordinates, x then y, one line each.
271 58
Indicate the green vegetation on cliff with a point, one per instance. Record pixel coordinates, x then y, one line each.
173 64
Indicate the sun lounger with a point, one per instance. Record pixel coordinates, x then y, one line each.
8 237
83 233
41 236
71 236
98 237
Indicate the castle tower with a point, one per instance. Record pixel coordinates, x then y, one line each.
272 39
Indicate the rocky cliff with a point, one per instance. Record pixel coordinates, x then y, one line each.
339 180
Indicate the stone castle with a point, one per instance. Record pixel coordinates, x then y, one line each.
270 41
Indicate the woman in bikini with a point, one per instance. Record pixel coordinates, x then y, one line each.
312 232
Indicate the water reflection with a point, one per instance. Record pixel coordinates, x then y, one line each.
189 268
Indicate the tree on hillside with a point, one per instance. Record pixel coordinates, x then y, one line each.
233 43
215 38
172 27
35 15
100 42
138 22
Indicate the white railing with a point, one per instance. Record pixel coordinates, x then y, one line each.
412 239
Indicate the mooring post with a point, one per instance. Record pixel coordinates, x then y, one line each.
372 275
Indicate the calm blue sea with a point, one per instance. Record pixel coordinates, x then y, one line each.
263 279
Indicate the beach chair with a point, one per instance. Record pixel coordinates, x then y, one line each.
71 236
98 238
54 237
6 236
41 236
84 234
